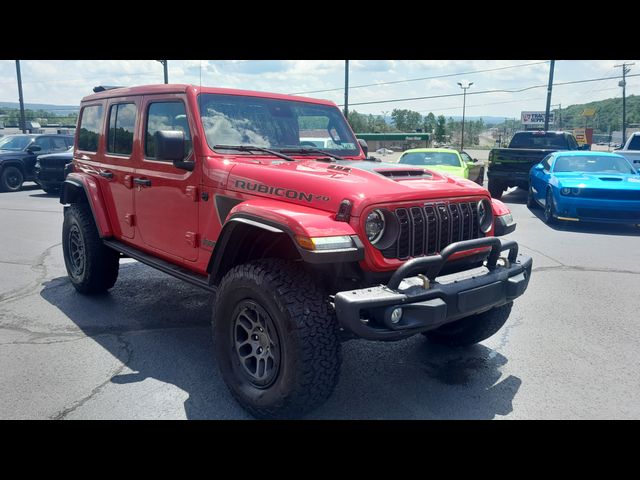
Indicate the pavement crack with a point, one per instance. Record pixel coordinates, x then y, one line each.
540 253
124 348
37 266
575 268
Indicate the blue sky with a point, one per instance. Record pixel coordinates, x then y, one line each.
65 82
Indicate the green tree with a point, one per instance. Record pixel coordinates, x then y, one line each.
406 120
440 130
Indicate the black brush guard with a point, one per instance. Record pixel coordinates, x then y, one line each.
367 312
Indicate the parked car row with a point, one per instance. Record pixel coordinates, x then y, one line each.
39 158
571 184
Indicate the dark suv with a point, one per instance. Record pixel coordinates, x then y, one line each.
18 155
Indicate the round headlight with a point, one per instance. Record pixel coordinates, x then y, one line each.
374 226
575 191
565 191
485 215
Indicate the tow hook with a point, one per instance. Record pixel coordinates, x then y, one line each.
503 262
425 281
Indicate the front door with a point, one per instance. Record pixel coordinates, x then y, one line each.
475 168
166 197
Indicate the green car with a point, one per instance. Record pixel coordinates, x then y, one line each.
445 160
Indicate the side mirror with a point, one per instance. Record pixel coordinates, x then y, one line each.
170 145
365 147
34 148
539 166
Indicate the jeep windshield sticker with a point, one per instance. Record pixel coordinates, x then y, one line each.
279 191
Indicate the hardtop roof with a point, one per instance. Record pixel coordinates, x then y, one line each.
183 88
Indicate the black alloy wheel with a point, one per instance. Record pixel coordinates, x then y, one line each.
257 344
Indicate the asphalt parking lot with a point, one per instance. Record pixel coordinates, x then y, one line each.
144 350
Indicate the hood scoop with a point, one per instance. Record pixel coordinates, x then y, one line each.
610 179
404 174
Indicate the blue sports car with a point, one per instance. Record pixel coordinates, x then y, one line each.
589 186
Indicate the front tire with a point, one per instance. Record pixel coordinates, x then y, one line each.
471 330
11 179
92 267
531 201
276 340
549 209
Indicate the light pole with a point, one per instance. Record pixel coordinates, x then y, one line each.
463 86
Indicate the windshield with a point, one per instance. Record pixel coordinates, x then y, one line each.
272 123
431 158
14 142
593 164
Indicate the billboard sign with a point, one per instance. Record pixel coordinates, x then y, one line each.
536 118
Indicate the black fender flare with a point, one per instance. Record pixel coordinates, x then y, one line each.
241 221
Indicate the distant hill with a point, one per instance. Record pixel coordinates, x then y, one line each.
55 109
608 114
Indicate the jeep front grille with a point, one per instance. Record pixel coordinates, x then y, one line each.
427 229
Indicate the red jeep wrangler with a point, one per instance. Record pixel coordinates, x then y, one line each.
303 245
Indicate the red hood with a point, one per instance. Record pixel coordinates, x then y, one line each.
324 185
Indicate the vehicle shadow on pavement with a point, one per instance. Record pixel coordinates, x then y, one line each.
163 328
520 196
413 379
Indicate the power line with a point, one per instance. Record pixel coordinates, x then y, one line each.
422 78
489 91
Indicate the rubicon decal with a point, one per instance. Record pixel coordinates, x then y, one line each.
279 191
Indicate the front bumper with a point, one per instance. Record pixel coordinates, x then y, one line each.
597 210
367 312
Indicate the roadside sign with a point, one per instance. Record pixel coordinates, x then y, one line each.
589 112
536 118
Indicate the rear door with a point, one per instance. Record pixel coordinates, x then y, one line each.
166 197
115 168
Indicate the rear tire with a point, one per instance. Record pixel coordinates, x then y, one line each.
495 189
276 341
11 179
92 266
471 330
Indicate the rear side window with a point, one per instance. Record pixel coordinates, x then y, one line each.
166 116
58 144
634 144
90 125
122 120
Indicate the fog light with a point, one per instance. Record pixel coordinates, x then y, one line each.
396 315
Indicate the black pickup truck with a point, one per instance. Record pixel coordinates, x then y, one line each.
18 155
509 167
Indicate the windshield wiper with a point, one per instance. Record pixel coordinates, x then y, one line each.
251 148
310 150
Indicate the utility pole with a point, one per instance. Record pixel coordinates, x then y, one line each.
549 88
623 84
346 89
20 99
166 70
464 88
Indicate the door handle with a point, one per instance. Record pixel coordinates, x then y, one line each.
142 181
106 174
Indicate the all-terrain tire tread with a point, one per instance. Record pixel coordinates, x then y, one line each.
316 328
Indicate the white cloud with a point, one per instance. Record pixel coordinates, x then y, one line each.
65 82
